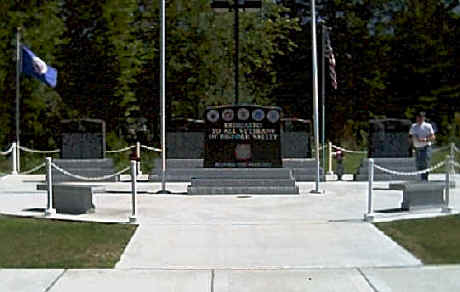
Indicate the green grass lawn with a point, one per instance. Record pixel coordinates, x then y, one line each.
434 241
33 243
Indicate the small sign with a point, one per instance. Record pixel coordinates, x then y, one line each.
245 136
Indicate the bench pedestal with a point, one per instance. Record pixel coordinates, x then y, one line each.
421 195
71 199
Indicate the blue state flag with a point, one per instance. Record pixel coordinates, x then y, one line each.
35 67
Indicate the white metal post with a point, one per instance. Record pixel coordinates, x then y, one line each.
133 218
163 93
49 180
449 165
18 98
138 154
18 157
323 94
329 148
14 167
369 216
315 95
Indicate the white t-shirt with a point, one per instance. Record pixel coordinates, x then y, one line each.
421 131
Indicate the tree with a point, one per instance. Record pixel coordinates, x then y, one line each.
42 30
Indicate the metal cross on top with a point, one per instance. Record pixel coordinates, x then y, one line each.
224 5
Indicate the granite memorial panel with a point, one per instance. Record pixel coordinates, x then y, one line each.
246 136
83 139
186 139
296 137
389 138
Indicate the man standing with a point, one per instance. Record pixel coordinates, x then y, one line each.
422 134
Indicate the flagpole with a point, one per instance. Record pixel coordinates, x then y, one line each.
315 95
323 99
18 95
163 94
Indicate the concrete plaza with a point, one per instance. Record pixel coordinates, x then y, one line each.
239 243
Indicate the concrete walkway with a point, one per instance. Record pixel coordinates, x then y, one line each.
234 243
420 279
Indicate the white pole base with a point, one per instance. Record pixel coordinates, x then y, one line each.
50 212
132 219
319 192
447 210
369 217
14 173
330 173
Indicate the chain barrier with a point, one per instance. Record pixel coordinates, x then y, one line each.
151 148
455 164
456 149
80 177
364 152
440 149
7 151
132 147
34 169
25 149
348 151
394 172
122 149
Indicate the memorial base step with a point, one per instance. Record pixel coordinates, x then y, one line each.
83 167
246 190
183 170
401 164
383 177
199 163
213 182
248 181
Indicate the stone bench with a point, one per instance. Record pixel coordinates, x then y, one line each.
72 199
421 195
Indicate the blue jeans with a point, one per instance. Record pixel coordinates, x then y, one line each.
423 159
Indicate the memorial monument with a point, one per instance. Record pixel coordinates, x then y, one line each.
238 136
83 147
186 138
390 148
296 138
389 138
242 153
245 136
83 139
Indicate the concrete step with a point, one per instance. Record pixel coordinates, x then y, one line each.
88 169
234 173
365 170
386 177
198 163
309 178
90 172
299 163
219 182
305 171
390 160
174 176
179 163
60 178
236 190
84 163
392 165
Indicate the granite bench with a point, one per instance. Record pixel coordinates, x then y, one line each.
72 199
421 195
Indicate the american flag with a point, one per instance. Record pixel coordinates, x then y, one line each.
330 56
